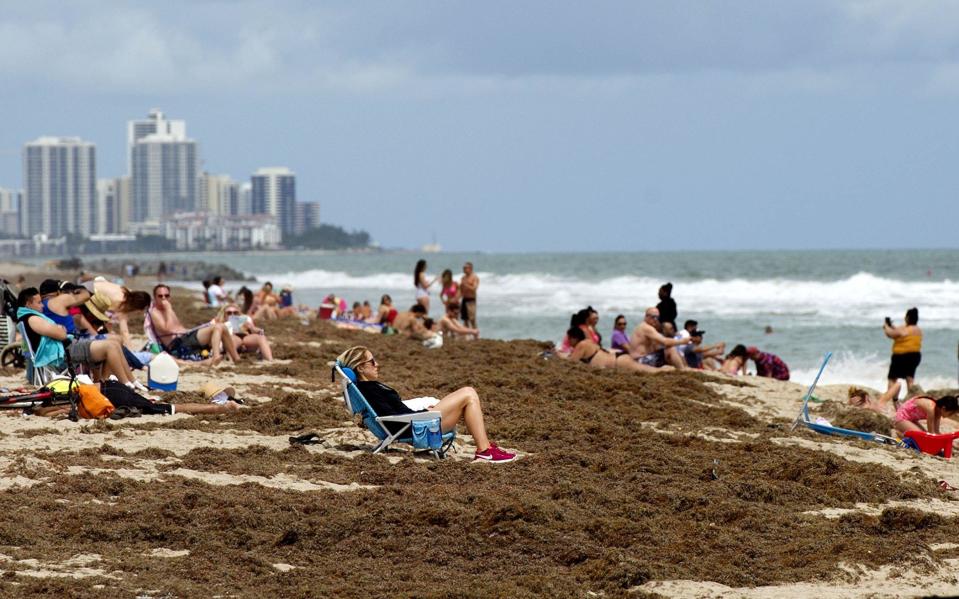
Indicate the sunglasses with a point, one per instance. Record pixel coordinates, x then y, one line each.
370 361
232 312
162 295
653 316
621 323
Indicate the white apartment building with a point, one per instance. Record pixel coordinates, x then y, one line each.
164 165
60 180
274 193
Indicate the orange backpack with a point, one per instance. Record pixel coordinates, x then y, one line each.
93 404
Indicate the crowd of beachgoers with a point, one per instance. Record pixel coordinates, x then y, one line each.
91 314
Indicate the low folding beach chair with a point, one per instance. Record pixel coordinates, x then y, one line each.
826 429
357 404
41 375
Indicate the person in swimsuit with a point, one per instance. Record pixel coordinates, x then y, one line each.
915 410
422 284
452 328
906 348
469 283
588 352
648 346
450 290
386 313
735 362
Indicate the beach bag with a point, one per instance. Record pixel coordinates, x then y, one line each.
92 404
427 434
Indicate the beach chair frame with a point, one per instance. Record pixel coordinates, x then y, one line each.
825 429
356 404
42 375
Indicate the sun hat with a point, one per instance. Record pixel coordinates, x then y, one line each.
212 388
98 306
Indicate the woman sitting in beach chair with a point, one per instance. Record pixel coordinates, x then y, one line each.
462 404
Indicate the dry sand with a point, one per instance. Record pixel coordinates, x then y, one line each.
630 485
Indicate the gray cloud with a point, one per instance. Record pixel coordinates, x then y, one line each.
278 47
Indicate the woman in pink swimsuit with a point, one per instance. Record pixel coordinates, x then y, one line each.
913 411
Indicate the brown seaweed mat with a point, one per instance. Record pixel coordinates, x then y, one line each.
601 503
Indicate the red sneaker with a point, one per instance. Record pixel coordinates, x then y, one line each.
495 455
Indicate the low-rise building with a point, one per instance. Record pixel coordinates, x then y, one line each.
202 231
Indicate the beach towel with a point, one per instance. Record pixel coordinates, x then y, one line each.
50 351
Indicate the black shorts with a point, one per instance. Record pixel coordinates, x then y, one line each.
903 366
187 342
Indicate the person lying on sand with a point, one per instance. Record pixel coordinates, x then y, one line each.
648 346
915 410
462 404
863 399
588 352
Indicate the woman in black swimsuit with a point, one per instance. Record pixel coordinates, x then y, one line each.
588 352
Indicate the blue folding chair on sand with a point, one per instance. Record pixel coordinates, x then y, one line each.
356 404
827 429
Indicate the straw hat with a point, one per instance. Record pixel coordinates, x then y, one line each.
98 306
212 388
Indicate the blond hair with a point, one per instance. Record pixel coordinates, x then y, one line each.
354 356
858 392
221 315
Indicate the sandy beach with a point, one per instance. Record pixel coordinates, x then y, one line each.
675 484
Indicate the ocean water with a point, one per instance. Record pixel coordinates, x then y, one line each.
815 301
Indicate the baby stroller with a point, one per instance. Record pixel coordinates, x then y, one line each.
11 354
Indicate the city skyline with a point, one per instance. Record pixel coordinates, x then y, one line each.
780 126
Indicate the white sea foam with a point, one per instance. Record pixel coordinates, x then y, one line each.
867 370
862 299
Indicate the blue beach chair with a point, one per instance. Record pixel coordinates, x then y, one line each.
357 404
826 429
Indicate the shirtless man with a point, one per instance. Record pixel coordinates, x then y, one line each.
411 323
451 327
469 283
172 335
648 346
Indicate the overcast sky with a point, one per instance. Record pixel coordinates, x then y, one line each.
525 126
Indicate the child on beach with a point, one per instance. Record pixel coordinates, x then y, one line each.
735 362
462 404
863 399
913 411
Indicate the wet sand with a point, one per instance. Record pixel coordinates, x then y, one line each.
677 484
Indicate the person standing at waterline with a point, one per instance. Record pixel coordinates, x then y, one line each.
469 283
422 284
906 348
